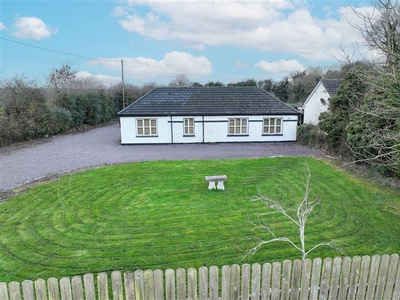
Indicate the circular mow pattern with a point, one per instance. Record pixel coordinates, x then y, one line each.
161 215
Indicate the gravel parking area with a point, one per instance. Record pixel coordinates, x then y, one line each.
34 161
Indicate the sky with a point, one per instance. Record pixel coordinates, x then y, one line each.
157 40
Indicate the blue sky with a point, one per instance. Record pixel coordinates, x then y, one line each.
207 40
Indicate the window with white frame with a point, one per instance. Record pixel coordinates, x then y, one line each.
272 126
238 126
146 127
188 126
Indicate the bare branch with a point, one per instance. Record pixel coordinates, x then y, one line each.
302 213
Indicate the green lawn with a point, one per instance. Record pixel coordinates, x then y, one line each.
161 215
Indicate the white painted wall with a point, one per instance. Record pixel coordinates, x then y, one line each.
129 130
313 106
208 129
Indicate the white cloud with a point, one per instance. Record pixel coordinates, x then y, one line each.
172 64
119 11
241 64
280 67
32 28
284 26
2 26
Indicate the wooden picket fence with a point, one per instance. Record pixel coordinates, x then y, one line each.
376 277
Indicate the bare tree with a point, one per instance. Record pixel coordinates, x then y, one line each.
63 77
381 32
303 211
180 80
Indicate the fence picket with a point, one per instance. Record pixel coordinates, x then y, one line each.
102 286
296 277
396 289
203 283
255 281
88 283
362 284
3 291
149 285
325 278
181 284
77 289
129 284
245 285
139 284
266 281
214 283
315 278
65 287
305 279
27 290
276 281
158 285
344 278
169 284
391 276
235 282
116 284
192 284
53 289
40 289
14 290
373 274
334 284
382 274
226 283
286 275
354 277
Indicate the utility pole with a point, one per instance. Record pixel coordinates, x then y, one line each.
123 84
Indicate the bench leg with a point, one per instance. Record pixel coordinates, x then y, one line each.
211 185
220 185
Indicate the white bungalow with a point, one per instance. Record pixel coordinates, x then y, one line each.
318 101
207 115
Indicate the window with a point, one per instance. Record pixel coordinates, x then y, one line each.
272 126
146 127
188 126
237 126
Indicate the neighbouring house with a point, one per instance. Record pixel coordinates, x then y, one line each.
318 101
207 115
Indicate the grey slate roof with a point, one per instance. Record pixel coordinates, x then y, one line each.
332 85
207 101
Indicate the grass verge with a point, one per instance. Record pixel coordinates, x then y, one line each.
161 215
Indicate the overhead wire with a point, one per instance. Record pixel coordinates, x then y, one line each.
45 49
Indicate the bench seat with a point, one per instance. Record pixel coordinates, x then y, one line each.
219 179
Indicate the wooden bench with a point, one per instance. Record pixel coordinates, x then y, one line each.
219 179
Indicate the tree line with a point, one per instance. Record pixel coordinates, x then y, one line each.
66 103
28 111
294 88
363 120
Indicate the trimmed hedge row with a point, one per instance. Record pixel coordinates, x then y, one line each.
28 113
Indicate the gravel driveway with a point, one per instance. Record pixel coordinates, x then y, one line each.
33 161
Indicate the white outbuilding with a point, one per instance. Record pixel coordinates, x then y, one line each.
319 99
170 115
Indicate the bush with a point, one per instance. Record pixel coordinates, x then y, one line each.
87 109
311 135
10 131
28 112
61 120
